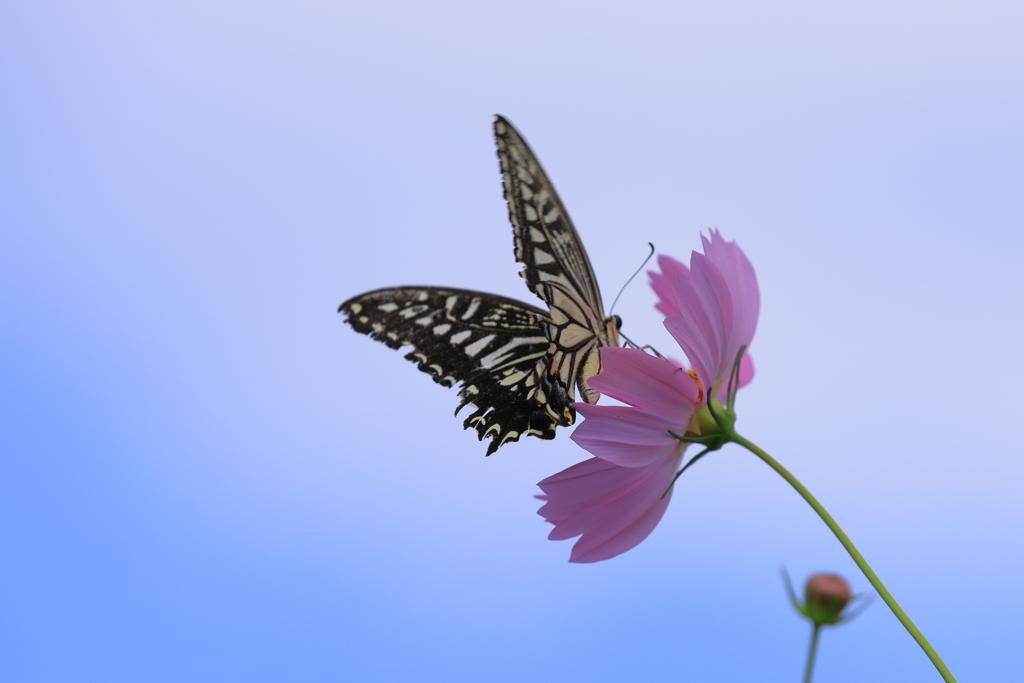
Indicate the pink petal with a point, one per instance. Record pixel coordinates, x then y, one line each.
582 486
702 328
746 376
675 361
718 303
613 508
627 436
746 370
646 382
594 548
742 281
662 283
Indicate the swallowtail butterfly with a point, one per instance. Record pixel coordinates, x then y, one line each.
519 365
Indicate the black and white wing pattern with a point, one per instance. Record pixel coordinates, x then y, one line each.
555 266
494 346
518 365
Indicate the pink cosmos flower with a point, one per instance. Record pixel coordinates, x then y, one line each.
614 500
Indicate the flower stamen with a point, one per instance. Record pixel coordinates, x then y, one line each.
700 389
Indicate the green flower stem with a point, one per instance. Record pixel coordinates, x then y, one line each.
811 652
855 554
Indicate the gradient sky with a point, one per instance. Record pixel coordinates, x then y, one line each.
206 476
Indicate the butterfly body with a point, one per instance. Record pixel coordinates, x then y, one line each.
519 366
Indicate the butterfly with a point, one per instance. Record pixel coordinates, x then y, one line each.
519 365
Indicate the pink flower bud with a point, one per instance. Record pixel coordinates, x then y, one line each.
825 596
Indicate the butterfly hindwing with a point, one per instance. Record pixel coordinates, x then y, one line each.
495 347
555 265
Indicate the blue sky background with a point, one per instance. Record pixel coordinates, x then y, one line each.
206 476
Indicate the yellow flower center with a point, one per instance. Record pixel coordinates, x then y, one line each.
696 380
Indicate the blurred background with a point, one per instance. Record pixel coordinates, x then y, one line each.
205 475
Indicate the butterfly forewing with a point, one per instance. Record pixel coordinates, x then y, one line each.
496 347
555 265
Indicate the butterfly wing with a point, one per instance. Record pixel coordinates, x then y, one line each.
496 347
555 266
518 365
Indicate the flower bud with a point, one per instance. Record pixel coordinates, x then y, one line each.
825 597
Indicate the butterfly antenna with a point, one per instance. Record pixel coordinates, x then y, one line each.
651 245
